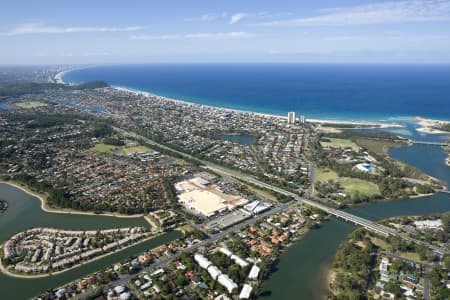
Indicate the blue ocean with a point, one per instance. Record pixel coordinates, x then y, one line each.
345 92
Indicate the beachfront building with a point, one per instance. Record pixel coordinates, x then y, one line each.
291 117
302 119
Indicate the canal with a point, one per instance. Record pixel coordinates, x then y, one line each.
24 211
301 272
303 269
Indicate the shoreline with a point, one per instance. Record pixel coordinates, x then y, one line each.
44 205
429 125
370 124
43 275
380 124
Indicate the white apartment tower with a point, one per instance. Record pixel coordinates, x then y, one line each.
291 117
302 119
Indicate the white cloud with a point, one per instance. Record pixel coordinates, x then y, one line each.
35 28
200 36
300 52
208 17
377 13
238 17
339 38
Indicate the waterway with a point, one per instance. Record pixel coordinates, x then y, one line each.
243 139
24 212
303 269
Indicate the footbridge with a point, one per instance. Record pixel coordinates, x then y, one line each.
429 143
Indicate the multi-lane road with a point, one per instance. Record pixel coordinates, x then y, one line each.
370 225
125 278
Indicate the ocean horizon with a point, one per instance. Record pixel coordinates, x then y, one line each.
372 93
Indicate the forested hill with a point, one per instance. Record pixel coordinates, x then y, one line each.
36 88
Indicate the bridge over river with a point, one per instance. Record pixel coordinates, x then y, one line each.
428 143
370 225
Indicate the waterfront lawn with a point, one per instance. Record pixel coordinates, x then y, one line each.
350 186
354 186
378 146
31 104
339 143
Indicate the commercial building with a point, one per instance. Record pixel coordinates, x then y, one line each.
203 202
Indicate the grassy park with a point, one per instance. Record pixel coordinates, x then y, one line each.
378 146
31 104
339 143
350 186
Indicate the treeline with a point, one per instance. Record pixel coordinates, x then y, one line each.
114 141
353 263
55 197
389 181
38 88
40 120
353 135
101 129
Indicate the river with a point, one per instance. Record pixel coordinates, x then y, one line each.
303 268
24 211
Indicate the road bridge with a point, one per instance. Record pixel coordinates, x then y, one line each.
368 224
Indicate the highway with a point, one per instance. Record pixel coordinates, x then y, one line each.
368 224
125 279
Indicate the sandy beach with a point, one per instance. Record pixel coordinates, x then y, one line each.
367 124
429 125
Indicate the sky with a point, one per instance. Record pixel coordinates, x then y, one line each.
169 31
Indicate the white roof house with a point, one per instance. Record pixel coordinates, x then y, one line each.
245 292
214 272
241 262
226 281
225 251
254 272
202 261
